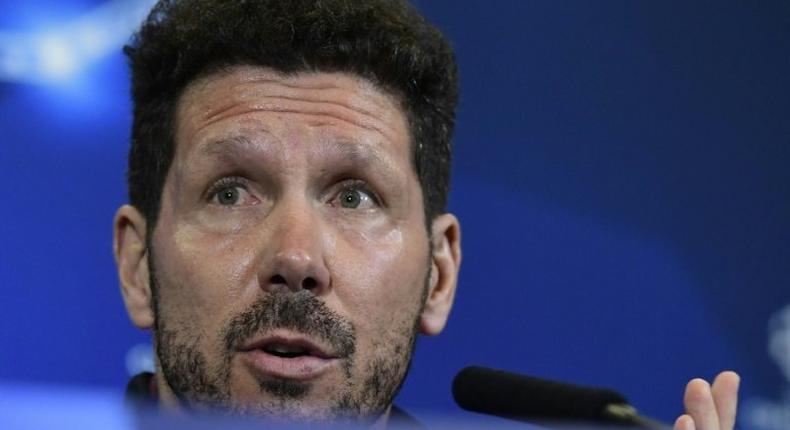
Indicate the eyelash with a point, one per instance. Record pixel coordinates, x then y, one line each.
359 185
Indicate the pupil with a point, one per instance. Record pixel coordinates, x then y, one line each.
228 196
350 199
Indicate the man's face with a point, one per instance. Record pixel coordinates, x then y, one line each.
290 262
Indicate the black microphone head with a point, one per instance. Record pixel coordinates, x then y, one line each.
514 396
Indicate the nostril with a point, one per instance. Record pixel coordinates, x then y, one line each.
277 279
309 283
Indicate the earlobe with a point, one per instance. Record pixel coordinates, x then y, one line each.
129 247
445 264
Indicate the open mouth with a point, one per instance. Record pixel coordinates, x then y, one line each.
286 351
290 347
290 357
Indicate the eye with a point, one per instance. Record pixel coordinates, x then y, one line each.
351 199
356 197
230 192
228 196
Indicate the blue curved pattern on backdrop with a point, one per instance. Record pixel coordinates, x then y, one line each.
621 173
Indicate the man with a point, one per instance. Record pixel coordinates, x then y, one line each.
287 236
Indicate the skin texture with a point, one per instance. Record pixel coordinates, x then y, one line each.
291 209
254 238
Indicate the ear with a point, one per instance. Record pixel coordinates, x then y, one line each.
129 247
445 263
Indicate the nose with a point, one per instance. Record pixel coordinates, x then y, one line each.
294 253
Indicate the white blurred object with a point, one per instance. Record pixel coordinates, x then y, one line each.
779 340
773 414
59 54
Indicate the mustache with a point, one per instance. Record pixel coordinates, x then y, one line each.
299 311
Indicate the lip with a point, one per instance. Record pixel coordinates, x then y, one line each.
302 368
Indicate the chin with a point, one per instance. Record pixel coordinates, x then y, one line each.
292 400
298 411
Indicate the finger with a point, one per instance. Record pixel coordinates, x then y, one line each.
725 397
684 422
699 404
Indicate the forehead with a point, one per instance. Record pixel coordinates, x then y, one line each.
348 103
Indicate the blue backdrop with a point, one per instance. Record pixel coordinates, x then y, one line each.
621 174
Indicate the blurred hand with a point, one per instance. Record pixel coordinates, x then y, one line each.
710 407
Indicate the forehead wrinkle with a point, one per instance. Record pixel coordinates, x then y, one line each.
235 110
372 124
326 101
366 105
306 83
285 83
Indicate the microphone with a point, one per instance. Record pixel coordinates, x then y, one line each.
520 397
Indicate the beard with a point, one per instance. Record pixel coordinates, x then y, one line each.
200 383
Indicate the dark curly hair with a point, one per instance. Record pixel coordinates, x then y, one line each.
385 41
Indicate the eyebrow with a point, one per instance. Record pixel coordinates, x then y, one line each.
345 153
226 147
235 146
356 152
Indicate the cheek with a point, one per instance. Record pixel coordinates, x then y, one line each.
200 273
379 277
